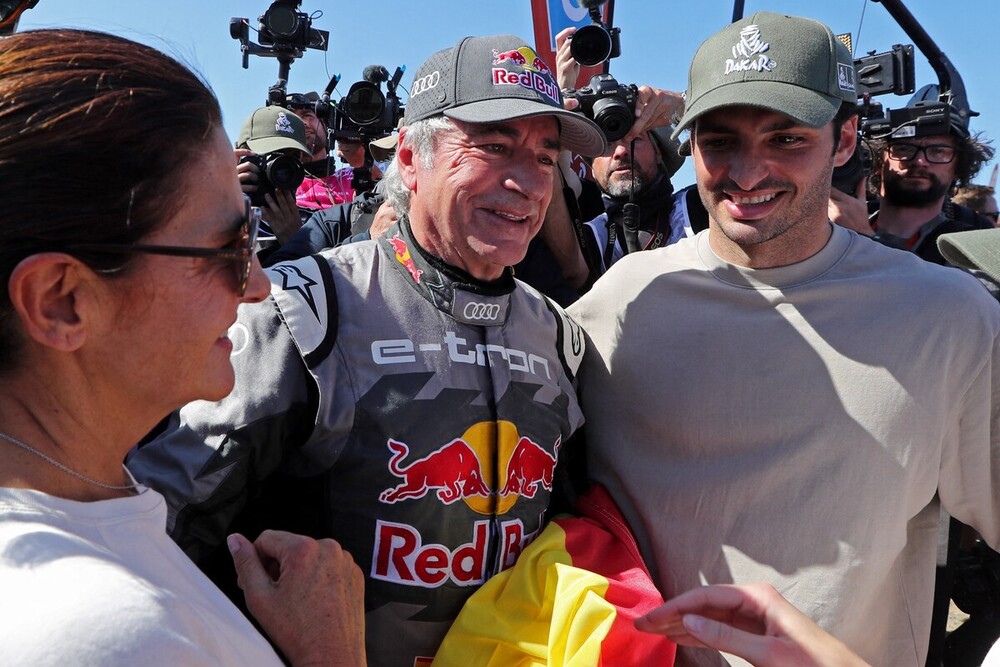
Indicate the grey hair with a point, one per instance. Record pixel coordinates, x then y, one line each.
420 137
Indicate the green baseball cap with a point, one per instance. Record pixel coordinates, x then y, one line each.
792 65
271 129
974 249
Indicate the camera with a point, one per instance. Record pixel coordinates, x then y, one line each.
277 172
608 103
366 113
283 32
593 44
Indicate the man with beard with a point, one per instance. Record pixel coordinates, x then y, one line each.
778 399
322 187
915 174
635 170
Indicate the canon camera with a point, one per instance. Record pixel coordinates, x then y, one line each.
276 172
608 103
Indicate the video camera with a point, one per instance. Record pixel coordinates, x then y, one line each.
605 101
284 34
935 109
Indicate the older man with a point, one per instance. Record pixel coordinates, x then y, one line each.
779 399
406 396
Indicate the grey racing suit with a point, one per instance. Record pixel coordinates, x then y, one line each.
428 409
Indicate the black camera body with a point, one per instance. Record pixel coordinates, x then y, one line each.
608 103
277 171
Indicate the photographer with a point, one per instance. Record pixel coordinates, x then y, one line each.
636 169
268 135
322 186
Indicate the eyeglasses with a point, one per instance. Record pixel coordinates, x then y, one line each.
935 153
242 251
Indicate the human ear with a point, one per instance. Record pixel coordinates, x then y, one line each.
49 292
848 142
406 162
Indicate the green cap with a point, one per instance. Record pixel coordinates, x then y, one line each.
975 249
792 65
271 129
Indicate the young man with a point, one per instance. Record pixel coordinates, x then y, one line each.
779 399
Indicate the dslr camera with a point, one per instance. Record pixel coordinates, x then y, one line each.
277 172
608 103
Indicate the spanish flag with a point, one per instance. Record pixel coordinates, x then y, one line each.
569 601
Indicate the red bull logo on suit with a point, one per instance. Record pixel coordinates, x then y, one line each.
461 470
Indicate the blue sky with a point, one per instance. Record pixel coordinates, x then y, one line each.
658 39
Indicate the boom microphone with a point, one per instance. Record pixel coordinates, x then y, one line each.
375 74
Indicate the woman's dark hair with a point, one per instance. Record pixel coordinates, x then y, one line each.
95 134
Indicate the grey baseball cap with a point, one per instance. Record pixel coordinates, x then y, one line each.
496 79
792 65
273 128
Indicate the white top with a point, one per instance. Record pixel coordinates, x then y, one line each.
100 583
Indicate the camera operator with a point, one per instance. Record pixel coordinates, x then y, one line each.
268 133
322 186
360 219
914 174
636 168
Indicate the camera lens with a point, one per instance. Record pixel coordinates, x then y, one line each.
284 172
281 20
591 45
614 117
364 103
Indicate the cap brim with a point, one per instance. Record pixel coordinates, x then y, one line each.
803 105
382 149
272 144
576 132
977 249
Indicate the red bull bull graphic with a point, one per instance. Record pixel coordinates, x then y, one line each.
536 75
403 257
529 466
453 471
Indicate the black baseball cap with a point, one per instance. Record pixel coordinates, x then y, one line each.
495 79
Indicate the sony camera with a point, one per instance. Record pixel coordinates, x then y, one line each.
277 172
608 103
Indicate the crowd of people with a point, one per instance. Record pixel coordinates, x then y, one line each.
760 393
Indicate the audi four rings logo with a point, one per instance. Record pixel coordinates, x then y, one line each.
481 311
425 83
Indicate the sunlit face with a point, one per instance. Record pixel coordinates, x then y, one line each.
485 196
170 332
918 182
351 152
315 132
613 170
765 180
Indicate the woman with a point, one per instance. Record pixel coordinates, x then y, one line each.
126 247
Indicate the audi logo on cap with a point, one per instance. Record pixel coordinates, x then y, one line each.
481 311
425 83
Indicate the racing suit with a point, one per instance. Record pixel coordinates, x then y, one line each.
428 407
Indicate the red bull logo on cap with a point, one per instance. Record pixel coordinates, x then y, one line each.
536 75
